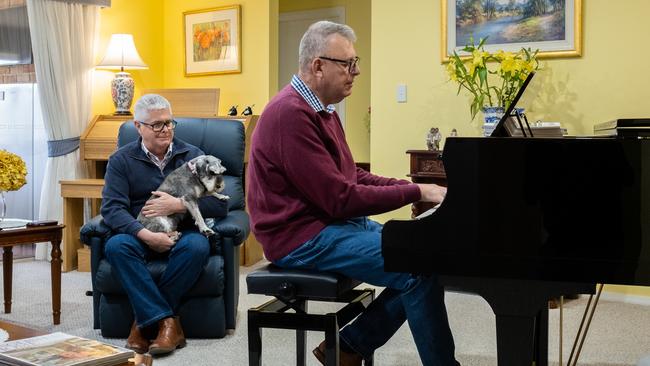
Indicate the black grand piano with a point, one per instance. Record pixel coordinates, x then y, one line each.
530 219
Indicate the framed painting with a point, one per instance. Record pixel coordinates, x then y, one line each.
212 41
554 27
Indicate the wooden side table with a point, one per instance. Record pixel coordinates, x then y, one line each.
73 193
20 236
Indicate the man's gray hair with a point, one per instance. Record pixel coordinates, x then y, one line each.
314 41
148 103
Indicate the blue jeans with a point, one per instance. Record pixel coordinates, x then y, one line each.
353 248
153 301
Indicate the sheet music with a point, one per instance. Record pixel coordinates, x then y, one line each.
427 212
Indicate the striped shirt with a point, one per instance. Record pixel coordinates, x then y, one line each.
309 95
154 159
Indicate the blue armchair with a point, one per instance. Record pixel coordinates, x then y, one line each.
211 305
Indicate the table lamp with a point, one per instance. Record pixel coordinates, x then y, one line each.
121 54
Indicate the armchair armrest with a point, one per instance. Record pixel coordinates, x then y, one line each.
235 226
95 228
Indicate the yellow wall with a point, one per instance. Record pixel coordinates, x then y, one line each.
128 17
356 16
607 82
251 86
157 28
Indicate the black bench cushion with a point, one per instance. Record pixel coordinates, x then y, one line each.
312 285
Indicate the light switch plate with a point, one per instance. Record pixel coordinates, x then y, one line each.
401 93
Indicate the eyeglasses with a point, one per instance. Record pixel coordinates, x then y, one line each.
352 64
158 126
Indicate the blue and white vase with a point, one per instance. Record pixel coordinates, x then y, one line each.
492 116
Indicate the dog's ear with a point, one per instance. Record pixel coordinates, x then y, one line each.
197 164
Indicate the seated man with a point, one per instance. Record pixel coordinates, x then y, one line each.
308 202
134 172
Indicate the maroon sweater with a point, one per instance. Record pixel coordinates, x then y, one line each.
301 177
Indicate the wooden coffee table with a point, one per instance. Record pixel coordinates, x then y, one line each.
21 236
16 332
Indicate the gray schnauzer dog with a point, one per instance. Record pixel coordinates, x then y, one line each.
199 177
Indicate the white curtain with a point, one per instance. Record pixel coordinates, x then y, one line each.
63 36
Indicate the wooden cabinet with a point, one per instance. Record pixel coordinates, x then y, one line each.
426 167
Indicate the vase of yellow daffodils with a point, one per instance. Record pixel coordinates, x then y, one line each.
492 79
12 176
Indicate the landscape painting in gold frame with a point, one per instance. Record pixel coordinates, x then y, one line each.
212 41
554 27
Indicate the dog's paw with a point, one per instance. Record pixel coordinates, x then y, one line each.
222 197
207 232
175 237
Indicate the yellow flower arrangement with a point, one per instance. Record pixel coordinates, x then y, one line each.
12 171
491 87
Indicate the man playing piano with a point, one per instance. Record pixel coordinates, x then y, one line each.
309 203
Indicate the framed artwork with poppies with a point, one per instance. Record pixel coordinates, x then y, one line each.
212 41
554 27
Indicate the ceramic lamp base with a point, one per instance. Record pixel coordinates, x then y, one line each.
122 88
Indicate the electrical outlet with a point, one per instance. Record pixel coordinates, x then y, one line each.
401 93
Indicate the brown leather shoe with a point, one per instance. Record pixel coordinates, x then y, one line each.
170 337
345 358
137 341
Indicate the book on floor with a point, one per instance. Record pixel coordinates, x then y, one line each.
60 349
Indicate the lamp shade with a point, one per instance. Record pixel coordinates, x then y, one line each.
121 54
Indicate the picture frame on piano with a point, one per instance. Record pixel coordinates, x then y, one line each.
509 29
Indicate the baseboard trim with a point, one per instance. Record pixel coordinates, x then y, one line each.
626 298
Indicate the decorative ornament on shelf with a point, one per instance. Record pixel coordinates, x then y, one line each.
433 139
12 176
492 79
248 110
121 54
232 111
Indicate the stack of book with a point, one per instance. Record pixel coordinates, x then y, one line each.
60 349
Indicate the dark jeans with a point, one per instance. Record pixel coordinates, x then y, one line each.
353 248
153 301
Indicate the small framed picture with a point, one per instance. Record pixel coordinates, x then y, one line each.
212 41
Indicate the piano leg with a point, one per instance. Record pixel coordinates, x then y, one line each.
541 337
516 335
521 309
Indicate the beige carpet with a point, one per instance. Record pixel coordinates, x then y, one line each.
620 332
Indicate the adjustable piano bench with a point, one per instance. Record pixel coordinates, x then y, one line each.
292 289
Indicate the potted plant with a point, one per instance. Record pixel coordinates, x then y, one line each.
492 79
